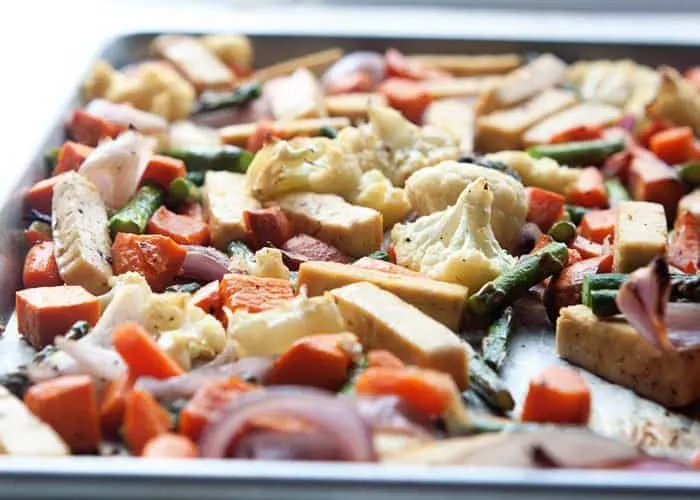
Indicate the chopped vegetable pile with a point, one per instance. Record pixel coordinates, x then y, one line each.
326 258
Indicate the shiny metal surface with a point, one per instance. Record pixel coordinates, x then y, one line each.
616 410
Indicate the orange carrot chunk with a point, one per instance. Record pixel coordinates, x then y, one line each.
684 248
587 248
90 129
398 65
113 404
253 294
33 236
557 395
208 400
69 405
544 207
674 145
652 180
427 391
144 419
182 229
589 191
319 361
384 359
578 133
40 195
170 445
407 96
45 312
265 131
208 298
597 225
163 170
70 157
141 353
158 258
40 268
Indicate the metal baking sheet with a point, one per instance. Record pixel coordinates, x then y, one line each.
617 411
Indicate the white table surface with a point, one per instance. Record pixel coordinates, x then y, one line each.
45 46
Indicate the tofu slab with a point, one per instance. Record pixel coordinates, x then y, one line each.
200 66
298 95
456 117
503 130
613 349
82 245
441 301
469 65
315 62
23 434
308 127
225 198
381 320
591 114
354 230
523 83
354 105
640 235
470 86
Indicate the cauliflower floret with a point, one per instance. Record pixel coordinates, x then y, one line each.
315 164
273 331
376 191
233 50
543 173
457 244
185 332
153 86
622 83
436 188
678 100
268 264
395 145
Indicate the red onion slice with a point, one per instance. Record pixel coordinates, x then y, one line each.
370 63
125 115
334 418
184 386
390 413
204 264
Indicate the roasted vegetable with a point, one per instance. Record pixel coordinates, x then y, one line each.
215 100
203 158
580 153
494 346
133 217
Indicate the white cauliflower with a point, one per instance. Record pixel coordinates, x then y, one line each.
395 145
375 191
457 244
155 87
436 188
232 50
275 330
268 264
678 100
543 173
184 331
316 164
622 83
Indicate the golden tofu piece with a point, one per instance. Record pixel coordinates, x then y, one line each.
200 66
470 86
298 95
456 117
225 198
503 130
590 114
354 105
523 83
309 127
315 61
381 320
470 65
354 230
640 235
444 302
614 350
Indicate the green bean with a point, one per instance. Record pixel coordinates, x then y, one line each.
380 255
690 173
328 131
133 217
580 153
494 346
201 158
563 231
214 100
184 288
181 190
617 193
575 213
196 178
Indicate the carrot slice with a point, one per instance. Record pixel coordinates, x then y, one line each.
163 170
557 395
407 96
578 133
208 400
544 207
158 258
45 312
69 405
398 65
684 248
40 195
181 228
597 225
113 404
170 445
208 298
33 236
384 359
40 268
652 180
649 130
427 391
587 248
264 132
589 191
254 294
144 419
319 361
674 145
90 129
357 82
141 353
